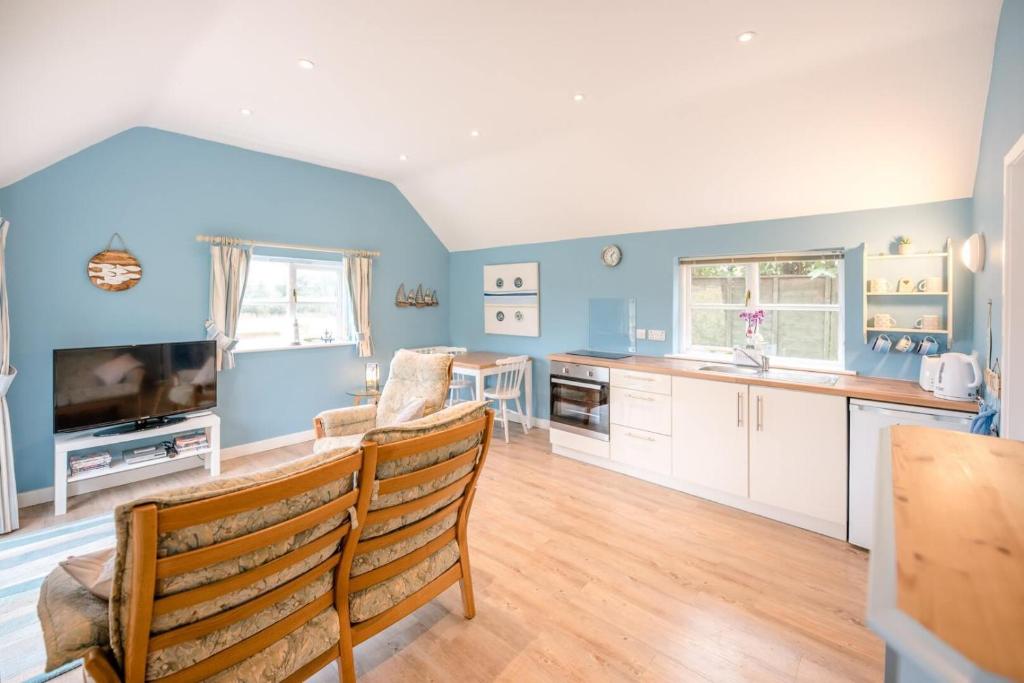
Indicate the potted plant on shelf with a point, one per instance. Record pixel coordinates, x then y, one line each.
903 245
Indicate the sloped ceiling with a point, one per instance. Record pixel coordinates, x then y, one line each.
833 106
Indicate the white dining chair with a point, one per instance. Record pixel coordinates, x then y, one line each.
506 389
459 383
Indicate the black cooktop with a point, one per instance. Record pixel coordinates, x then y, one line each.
599 354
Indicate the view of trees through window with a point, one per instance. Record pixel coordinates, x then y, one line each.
801 300
281 291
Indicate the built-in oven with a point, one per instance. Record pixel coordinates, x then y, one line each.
579 399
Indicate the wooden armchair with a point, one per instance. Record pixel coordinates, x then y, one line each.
414 542
237 579
412 376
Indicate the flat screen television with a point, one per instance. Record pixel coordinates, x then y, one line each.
134 387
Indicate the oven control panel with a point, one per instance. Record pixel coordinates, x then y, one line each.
579 371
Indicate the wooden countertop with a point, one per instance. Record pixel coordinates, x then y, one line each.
853 386
958 513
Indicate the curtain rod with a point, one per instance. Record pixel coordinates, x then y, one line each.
220 239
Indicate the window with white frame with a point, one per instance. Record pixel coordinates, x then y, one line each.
801 295
292 302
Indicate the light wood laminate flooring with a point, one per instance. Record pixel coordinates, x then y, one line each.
583 574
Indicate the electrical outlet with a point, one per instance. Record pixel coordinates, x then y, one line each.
641 333
656 335
993 382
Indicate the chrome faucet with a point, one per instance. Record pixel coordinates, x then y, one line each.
757 358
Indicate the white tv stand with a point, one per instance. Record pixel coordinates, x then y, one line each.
64 444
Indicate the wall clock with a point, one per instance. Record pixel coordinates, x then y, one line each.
611 255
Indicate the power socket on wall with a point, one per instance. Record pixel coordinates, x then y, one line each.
655 335
641 333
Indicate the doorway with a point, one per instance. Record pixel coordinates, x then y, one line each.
1012 420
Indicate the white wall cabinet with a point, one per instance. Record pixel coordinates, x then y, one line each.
709 421
798 452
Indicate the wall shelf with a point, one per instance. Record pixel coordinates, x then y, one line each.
907 306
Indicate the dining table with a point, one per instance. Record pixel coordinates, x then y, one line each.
482 364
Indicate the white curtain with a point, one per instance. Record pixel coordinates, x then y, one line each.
229 269
9 491
360 279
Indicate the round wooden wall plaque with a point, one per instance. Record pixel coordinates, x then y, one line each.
114 269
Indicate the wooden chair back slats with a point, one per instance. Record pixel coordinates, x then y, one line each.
198 629
403 449
209 591
201 511
246 648
377 542
374 625
457 487
218 552
306 672
404 481
143 580
396 567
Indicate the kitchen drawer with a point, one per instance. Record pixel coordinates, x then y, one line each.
644 381
640 449
578 442
641 410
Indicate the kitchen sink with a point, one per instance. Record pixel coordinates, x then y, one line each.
794 376
732 370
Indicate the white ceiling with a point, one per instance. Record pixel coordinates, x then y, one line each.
836 105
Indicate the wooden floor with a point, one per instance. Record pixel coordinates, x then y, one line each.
587 575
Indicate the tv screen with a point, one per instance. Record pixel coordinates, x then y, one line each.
119 384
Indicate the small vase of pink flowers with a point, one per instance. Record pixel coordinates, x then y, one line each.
753 319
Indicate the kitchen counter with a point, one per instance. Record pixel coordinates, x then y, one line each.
947 569
852 386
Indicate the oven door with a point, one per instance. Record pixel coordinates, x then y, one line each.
580 407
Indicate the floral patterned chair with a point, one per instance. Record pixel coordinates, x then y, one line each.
413 376
413 544
237 579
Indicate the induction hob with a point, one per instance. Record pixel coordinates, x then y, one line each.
607 355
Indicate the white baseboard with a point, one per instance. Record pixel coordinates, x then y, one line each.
541 422
45 495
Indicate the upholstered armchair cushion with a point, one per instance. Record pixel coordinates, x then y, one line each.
73 619
375 599
415 375
348 421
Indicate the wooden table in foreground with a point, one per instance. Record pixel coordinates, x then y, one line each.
947 580
481 364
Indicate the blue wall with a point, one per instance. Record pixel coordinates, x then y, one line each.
571 272
1004 124
159 190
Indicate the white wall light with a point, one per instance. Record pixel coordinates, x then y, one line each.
973 252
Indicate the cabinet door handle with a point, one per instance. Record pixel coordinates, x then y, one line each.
739 408
639 398
760 415
642 438
641 378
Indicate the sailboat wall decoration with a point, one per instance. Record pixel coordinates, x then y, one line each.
415 298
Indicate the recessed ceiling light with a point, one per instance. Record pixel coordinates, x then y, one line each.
306 64
746 36
245 112
579 97
403 157
474 133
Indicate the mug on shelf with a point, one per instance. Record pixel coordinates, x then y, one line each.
929 321
882 343
904 344
930 284
905 285
927 346
878 285
884 321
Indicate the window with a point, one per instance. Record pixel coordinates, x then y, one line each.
801 294
295 302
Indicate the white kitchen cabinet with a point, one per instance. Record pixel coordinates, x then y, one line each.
709 427
641 381
643 450
641 410
798 452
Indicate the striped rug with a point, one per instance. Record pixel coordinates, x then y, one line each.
25 560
